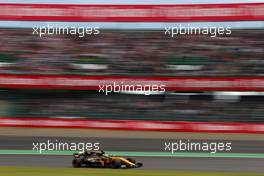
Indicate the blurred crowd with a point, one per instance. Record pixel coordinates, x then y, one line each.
169 107
132 53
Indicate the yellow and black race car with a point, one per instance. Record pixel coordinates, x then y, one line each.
100 159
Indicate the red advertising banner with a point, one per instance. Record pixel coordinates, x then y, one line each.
138 125
170 83
133 13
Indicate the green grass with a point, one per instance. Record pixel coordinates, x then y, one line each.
36 171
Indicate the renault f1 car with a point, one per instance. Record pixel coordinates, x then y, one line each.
102 160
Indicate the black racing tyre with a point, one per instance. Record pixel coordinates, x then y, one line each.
115 164
131 160
76 162
139 165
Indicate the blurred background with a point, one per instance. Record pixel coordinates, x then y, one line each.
133 53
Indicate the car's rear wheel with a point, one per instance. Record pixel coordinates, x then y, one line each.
115 164
76 162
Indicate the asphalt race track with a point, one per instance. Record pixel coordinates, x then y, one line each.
150 163
143 145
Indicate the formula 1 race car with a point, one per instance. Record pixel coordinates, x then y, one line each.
102 160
